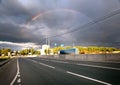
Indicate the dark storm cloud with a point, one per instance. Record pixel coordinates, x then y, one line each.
95 9
12 8
6 34
103 33
14 14
12 17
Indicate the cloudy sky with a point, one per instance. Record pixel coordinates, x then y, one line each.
26 23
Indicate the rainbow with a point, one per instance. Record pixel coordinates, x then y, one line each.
56 10
40 15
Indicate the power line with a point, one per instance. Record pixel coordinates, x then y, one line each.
93 22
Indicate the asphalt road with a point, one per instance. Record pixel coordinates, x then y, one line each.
7 72
41 71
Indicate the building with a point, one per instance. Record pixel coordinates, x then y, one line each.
44 47
69 51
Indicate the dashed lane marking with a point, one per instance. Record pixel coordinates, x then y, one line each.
19 80
43 64
75 74
45 59
85 77
47 65
59 61
18 75
55 61
98 66
104 67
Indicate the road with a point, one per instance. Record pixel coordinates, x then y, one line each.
42 71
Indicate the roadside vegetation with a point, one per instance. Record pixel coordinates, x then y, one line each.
6 53
30 51
88 50
3 59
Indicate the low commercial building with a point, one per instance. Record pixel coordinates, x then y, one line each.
69 51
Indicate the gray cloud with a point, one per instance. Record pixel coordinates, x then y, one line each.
57 18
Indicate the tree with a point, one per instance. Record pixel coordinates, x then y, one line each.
5 51
0 52
32 51
37 52
47 51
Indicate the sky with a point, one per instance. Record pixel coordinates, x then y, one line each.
27 23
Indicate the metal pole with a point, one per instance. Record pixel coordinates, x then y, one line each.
46 40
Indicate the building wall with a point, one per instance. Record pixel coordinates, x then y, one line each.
44 47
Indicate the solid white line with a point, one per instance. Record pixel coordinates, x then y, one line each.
88 78
14 79
47 65
99 66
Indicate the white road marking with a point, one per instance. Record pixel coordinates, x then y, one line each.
45 59
18 75
43 64
85 77
99 66
34 61
59 61
105 67
114 62
55 61
47 65
14 79
19 80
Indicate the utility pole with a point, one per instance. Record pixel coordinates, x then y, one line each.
73 44
46 40
48 44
